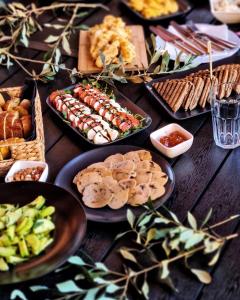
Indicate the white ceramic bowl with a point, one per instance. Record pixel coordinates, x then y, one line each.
171 151
23 164
227 17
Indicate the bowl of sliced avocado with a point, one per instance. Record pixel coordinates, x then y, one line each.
41 225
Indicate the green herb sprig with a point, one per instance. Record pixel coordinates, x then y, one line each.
159 241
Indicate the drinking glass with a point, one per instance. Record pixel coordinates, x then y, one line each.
225 115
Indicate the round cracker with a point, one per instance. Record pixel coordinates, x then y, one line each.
102 171
159 176
143 176
88 178
128 183
96 195
139 195
133 156
156 190
119 198
122 175
154 167
114 158
144 155
143 165
125 166
100 164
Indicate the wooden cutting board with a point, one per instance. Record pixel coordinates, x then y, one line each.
86 64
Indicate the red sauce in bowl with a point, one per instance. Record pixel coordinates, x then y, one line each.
173 139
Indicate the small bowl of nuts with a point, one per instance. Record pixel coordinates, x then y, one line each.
26 170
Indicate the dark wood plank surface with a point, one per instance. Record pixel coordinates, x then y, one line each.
206 176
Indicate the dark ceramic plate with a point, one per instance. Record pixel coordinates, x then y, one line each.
181 114
106 214
184 8
70 221
125 102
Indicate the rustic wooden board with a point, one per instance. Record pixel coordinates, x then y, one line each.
86 64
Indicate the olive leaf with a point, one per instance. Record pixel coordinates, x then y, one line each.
208 216
215 258
68 286
131 218
127 255
202 276
66 45
51 39
192 221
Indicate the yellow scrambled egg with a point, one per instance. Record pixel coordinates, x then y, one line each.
112 39
154 8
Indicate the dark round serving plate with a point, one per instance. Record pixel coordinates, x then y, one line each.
70 221
106 214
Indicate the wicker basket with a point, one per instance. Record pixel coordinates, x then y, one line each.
29 150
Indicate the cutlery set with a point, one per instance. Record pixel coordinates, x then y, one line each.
190 39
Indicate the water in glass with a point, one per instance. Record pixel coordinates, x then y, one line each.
226 122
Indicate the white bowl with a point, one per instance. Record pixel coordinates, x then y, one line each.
23 164
227 17
171 151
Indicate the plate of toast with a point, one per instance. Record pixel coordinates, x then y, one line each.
187 95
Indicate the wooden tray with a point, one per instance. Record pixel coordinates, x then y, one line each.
86 64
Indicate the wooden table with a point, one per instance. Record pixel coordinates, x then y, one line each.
206 176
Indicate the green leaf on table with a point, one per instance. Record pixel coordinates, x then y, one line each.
36 288
148 49
211 246
177 61
19 5
76 260
91 294
215 258
194 240
127 255
145 220
24 38
112 288
51 39
165 270
174 217
101 266
66 45
192 221
153 39
15 294
55 26
166 249
165 61
186 235
130 218
156 57
68 286
207 218
145 289
159 220
202 276
82 27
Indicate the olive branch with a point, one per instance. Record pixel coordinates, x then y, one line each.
20 22
159 241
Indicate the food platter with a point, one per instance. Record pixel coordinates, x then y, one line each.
70 227
184 8
105 214
181 114
123 101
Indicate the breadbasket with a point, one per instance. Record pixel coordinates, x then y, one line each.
28 150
